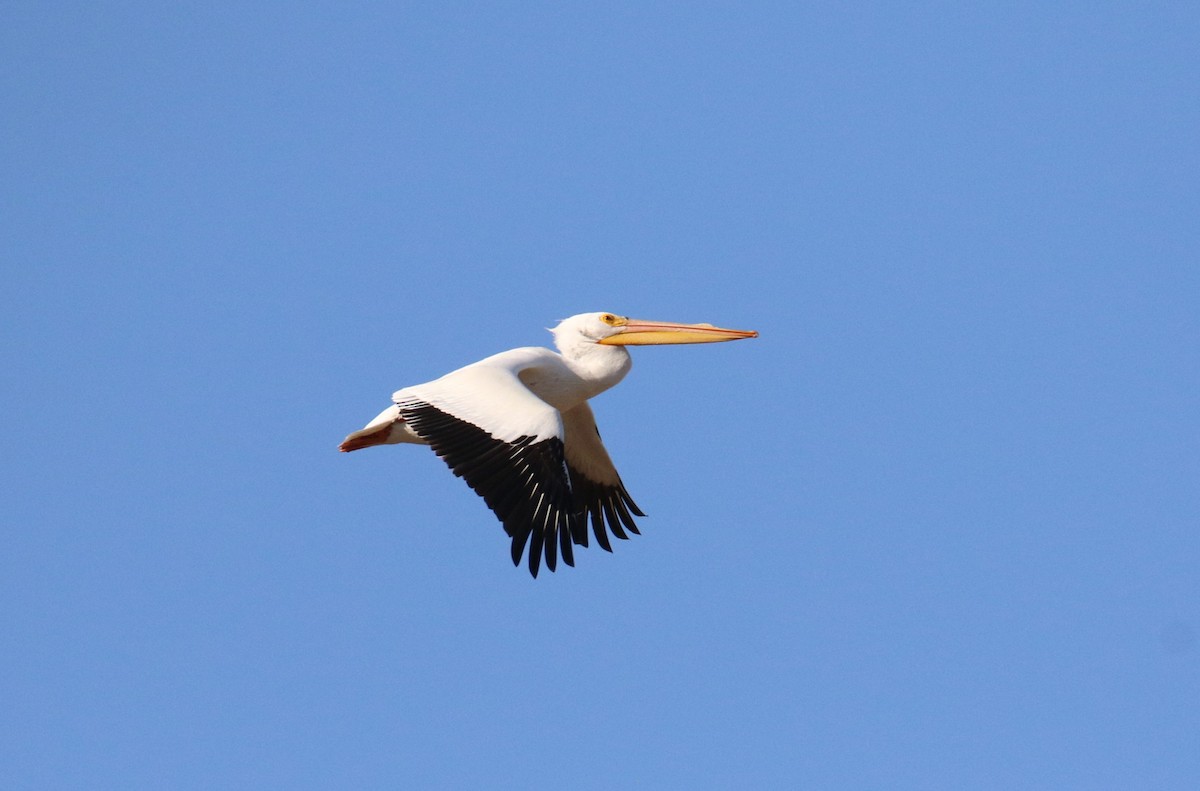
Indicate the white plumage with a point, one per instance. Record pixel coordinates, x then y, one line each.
517 428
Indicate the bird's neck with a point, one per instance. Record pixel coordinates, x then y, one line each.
601 367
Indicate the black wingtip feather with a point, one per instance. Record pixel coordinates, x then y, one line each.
551 548
626 519
629 502
565 540
535 550
614 521
543 502
518 546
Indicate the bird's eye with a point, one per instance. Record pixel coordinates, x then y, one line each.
608 318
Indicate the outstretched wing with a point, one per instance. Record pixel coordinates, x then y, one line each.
596 487
508 445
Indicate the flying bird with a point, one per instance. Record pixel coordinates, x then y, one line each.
517 428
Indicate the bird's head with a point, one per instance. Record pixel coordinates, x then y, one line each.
609 329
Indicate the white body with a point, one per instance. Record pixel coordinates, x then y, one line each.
527 391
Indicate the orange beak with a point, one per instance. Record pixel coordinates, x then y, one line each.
635 332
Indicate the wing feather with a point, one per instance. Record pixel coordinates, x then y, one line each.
597 489
546 475
507 444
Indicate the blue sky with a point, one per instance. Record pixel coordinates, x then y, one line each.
935 528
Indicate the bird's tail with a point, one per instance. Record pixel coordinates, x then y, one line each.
365 439
386 428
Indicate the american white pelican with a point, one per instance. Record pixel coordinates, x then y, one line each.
518 429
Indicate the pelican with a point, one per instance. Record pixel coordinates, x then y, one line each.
517 428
